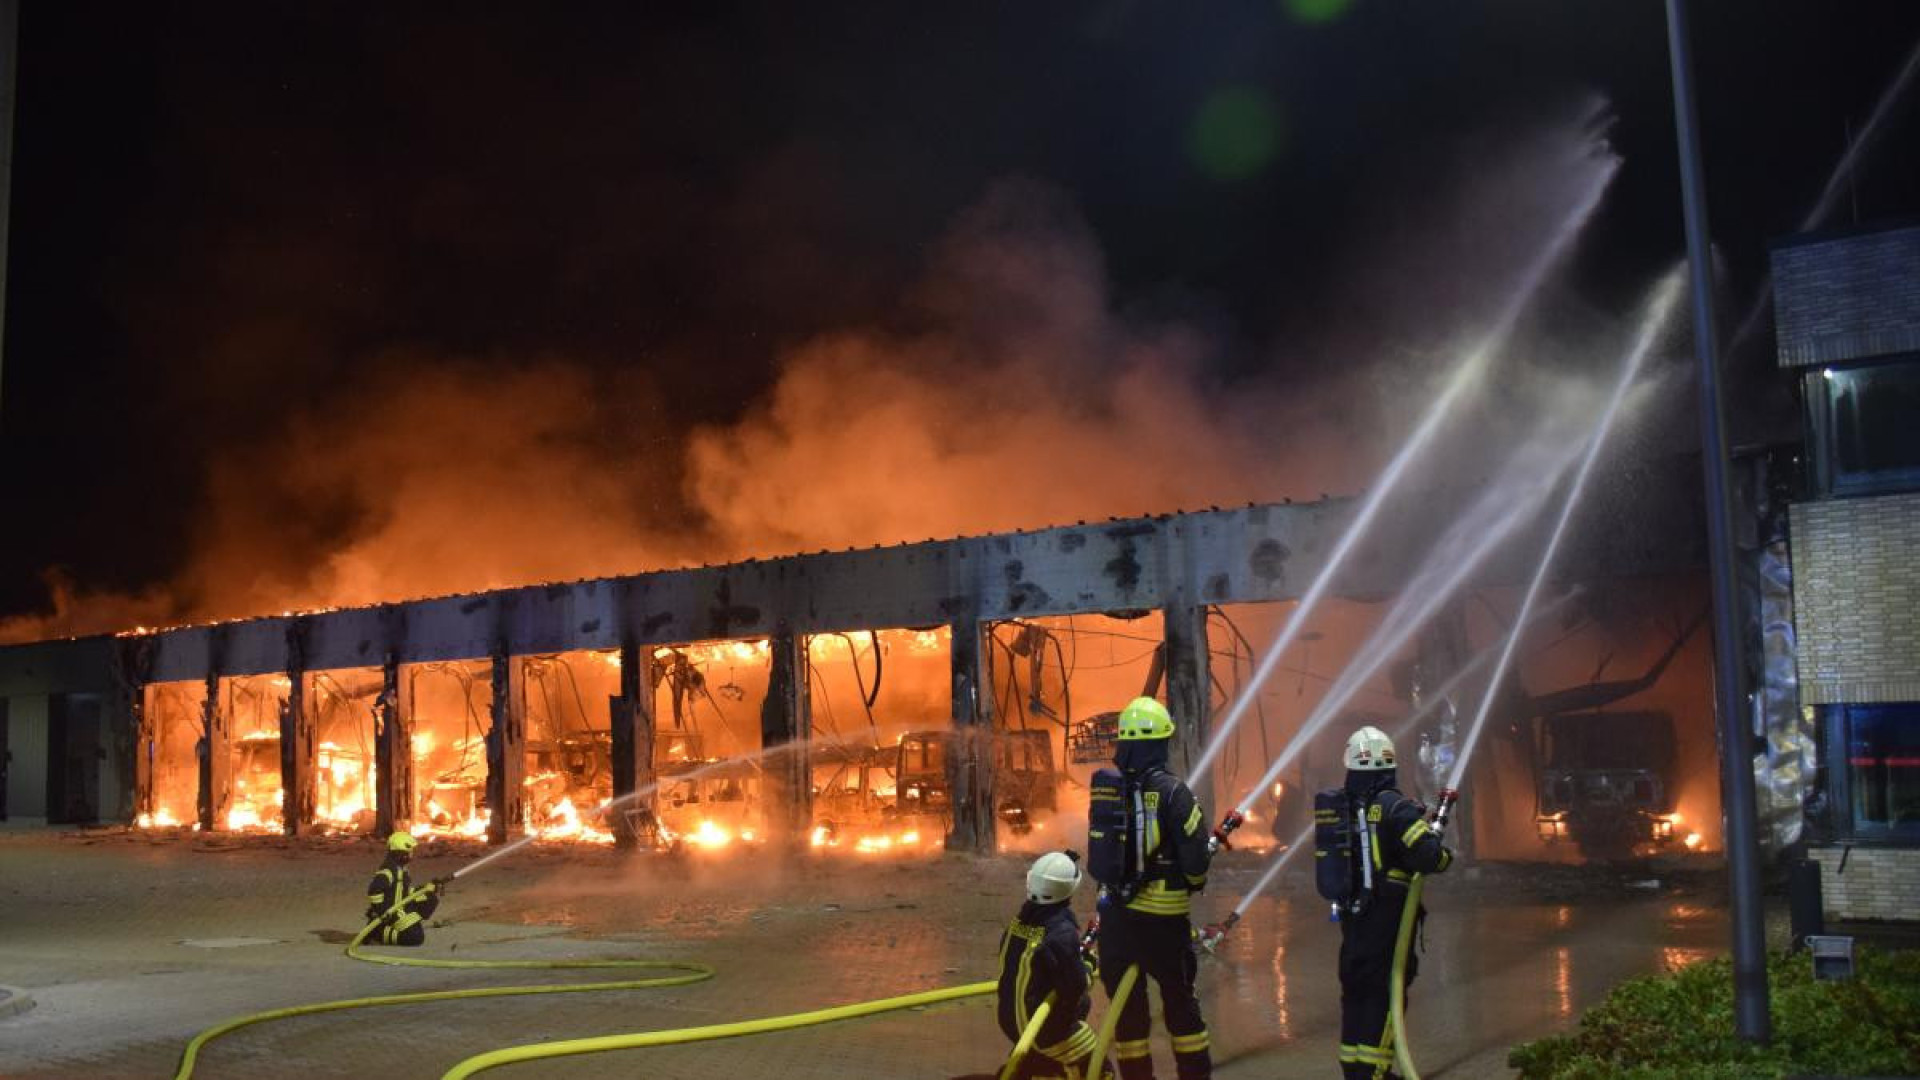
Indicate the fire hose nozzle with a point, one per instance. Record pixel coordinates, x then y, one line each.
1211 935
1218 840
1090 937
1444 810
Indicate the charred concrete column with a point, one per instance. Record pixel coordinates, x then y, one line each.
1189 692
393 754
146 753
786 722
133 736
296 738
392 742
215 748
507 750
970 763
633 741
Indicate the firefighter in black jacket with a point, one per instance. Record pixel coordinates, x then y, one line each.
1152 928
1040 955
1404 844
402 921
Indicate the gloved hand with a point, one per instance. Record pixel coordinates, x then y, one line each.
1091 962
440 884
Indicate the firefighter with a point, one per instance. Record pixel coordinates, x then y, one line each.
403 921
1404 844
1145 917
1040 954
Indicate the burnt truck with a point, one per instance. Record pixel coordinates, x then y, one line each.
1024 779
908 781
1606 782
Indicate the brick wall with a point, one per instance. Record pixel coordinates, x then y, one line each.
1880 883
1848 298
1856 599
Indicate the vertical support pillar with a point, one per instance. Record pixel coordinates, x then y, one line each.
146 754
506 750
133 739
786 722
970 761
297 792
633 741
393 759
1189 692
215 748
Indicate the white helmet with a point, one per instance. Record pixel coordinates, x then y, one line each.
1053 877
1369 749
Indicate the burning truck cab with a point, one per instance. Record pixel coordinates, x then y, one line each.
1606 783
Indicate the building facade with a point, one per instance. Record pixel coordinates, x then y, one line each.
1847 309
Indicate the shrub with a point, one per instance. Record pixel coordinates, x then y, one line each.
1680 1025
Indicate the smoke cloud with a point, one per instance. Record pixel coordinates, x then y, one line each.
1012 389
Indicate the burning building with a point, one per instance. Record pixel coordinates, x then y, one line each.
949 693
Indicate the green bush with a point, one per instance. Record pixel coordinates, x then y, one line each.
1668 1027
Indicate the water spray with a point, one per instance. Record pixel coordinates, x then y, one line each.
691 774
1652 327
1463 376
1211 936
1434 584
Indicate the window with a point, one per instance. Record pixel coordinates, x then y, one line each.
1881 768
1864 427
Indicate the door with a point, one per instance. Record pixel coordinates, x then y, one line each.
74 753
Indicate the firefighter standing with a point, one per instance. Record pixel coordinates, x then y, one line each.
403 919
1144 909
1040 955
1404 844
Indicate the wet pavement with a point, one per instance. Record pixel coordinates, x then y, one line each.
130 945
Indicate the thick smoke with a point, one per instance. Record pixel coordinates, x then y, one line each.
1011 390
1018 399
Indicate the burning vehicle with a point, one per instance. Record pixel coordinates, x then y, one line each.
880 797
1606 782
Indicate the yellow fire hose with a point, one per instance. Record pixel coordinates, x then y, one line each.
640 1039
686 972
1397 992
1112 1019
1028 1036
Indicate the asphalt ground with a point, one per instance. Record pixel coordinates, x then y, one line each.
130 943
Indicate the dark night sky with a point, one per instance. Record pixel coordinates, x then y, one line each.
224 210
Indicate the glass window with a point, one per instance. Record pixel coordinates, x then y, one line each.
1873 444
1883 768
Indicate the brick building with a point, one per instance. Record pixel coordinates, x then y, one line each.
1848 318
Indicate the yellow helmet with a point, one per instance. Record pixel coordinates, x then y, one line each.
401 841
1145 718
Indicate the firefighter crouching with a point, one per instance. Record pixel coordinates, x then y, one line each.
1370 841
1147 846
1040 954
402 921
